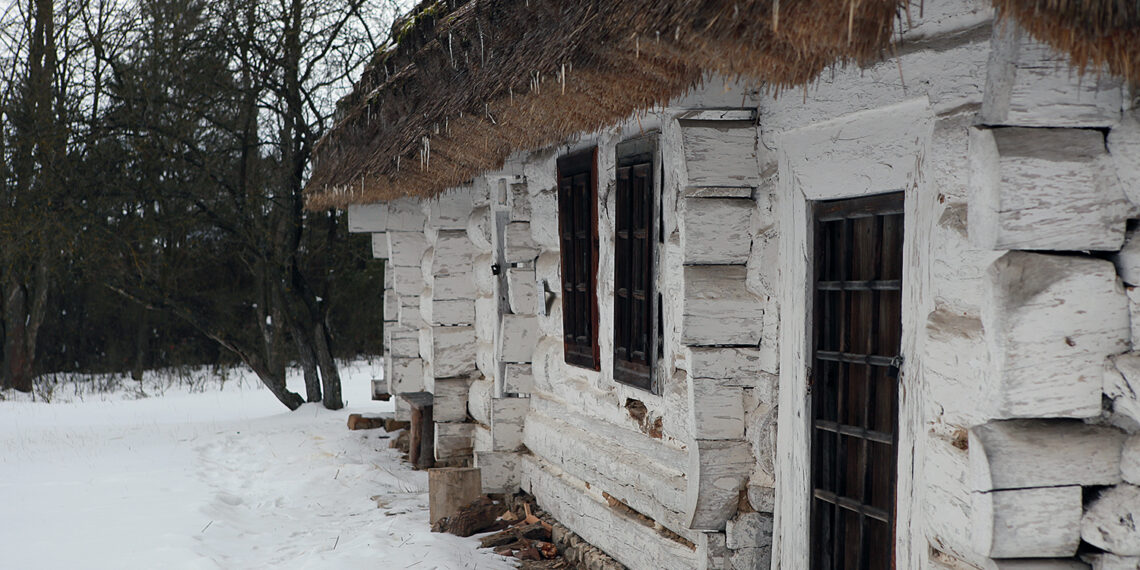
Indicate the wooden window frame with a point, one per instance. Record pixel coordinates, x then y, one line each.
578 240
637 171
853 487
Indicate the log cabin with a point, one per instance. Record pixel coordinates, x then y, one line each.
817 284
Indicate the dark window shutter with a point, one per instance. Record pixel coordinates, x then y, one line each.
578 232
635 337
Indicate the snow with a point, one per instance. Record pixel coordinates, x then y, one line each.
210 473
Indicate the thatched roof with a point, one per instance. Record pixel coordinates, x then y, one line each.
471 81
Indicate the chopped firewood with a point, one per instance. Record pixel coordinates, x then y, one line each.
530 519
475 517
535 531
509 516
547 549
391 425
505 551
357 421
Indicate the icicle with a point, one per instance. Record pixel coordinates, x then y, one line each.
562 78
450 53
482 58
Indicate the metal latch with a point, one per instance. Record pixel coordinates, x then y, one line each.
895 367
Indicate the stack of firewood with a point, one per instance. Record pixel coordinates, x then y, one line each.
517 532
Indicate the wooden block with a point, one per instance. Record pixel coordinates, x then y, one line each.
451 399
454 440
1028 523
520 246
507 418
1130 460
368 218
449 210
453 253
407 282
500 471
458 286
518 335
421 447
381 247
1050 322
720 153
1110 521
519 201
409 314
716 230
1017 454
453 351
359 421
522 291
402 341
1124 150
403 410
450 489
406 249
380 390
739 366
406 215
391 304
404 374
717 192
1044 189
1030 84
448 311
718 308
716 410
749 530
717 472
518 379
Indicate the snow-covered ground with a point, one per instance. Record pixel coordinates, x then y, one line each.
209 474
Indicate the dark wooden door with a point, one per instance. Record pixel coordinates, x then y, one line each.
854 384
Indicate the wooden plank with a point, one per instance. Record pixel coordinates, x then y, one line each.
717 192
1028 523
733 114
500 471
391 305
1030 84
518 335
522 291
717 473
421 453
716 409
449 210
368 218
740 365
718 308
1041 453
1044 189
1050 322
720 154
507 418
1109 523
451 489
380 246
716 230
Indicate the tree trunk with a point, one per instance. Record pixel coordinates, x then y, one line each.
329 373
17 361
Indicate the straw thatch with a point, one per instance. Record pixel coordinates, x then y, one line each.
471 81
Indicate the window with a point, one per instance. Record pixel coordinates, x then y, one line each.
578 231
858 324
636 307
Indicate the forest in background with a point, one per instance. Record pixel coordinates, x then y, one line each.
152 159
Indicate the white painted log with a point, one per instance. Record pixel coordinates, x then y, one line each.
450 402
500 470
389 280
449 210
1017 454
482 438
716 554
409 314
391 306
520 246
402 341
518 335
482 273
480 229
454 440
1030 84
1122 387
406 249
717 472
518 379
717 192
522 291
749 530
585 512
453 253
486 318
403 409
1044 189
519 202
1028 523
404 375
458 286
1113 562
717 154
368 218
1111 521
507 419
453 351
1036 564
718 308
485 359
448 311
716 230
1130 460
716 410
407 281
738 366
479 397
762 498
544 217
406 215
732 115
380 247
1124 150
1050 322
1127 260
